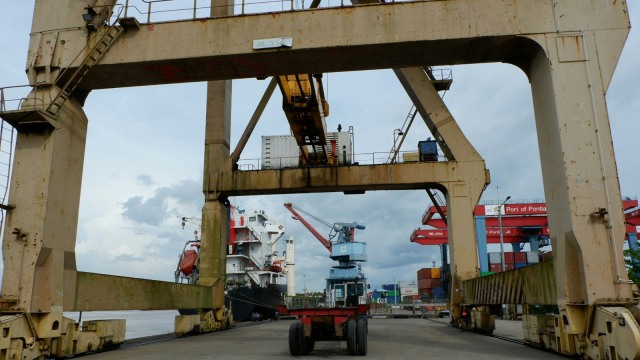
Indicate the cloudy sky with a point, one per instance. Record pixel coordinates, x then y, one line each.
144 158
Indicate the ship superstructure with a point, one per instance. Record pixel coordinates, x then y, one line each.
254 257
259 262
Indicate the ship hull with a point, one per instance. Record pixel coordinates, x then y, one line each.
244 301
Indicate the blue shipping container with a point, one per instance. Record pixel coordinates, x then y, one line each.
518 266
438 293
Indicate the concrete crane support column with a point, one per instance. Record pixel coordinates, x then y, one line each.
217 169
39 239
586 222
462 199
38 248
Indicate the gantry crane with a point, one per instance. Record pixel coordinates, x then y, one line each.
344 318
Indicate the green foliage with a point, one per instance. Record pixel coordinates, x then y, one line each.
632 263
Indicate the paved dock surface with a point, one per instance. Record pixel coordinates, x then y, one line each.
388 339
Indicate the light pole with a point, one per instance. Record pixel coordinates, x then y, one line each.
500 229
396 133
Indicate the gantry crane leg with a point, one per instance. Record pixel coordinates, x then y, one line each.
462 198
40 277
569 80
215 213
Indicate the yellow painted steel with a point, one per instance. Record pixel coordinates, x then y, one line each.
305 107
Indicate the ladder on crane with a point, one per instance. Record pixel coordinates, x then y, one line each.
441 82
111 33
7 135
406 125
37 117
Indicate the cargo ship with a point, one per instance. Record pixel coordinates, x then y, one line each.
259 266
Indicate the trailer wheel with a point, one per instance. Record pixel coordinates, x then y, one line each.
294 338
361 336
351 337
311 344
305 344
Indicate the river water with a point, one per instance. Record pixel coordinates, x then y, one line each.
139 323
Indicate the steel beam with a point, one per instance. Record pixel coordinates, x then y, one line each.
456 32
404 176
95 292
436 115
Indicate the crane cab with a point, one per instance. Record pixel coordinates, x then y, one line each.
347 294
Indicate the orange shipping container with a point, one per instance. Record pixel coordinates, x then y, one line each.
429 273
424 273
428 283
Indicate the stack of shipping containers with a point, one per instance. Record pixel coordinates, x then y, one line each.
392 293
512 260
429 285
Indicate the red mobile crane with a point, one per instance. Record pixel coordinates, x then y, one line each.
326 243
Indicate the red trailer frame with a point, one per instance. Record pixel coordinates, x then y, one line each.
328 324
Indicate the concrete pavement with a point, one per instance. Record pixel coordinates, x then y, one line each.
388 339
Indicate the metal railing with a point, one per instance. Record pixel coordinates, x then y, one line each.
374 158
148 11
238 269
442 74
21 97
18 97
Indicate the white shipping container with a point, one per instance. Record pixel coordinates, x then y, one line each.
407 291
279 151
410 157
282 151
408 284
533 257
495 258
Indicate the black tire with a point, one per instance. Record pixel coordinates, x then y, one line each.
352 345
294 338
304 346
361 336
